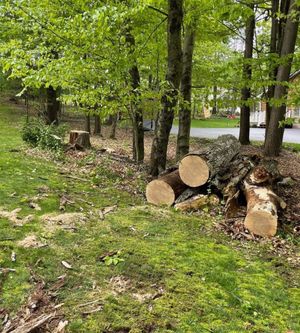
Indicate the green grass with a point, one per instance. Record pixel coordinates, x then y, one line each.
200 281
212 123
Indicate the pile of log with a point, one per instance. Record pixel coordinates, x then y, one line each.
220 173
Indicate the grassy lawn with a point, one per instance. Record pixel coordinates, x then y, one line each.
212 123
173 272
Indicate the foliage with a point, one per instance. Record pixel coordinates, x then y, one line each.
50 137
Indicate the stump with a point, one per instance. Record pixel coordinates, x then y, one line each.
80 139
165 190
197 167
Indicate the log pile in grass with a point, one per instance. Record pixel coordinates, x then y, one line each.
220 173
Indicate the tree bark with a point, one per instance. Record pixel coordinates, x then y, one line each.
247 74
87 124
164 190
183 137
169 100
273 140
114 119
196 168
80 139
52 106
97 126
215 94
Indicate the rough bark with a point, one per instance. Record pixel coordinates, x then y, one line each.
80 139
165 190
197 167
169 100
183 137
273 140
215 106
97 125
247 74
52 106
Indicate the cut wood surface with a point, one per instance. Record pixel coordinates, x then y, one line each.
165 190
262 203
197 167
197 202
80 139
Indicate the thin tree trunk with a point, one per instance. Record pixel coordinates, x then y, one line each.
52 106
170 98
273 140
136 111
114 119
247 74
87 123
215 93
97 127
183 137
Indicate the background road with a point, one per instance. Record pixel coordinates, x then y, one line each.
291 135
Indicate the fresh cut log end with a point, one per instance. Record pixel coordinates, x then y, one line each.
193 170
261 223
159 193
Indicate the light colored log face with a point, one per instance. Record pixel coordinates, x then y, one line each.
261 223
159 192
193 170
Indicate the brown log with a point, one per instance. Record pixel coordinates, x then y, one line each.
80 138
262 203
197 167
165 190
197 202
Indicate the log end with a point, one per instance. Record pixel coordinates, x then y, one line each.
160 193
261 223
193 171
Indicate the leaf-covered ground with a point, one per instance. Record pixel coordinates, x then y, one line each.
135 269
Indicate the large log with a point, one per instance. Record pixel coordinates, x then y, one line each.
80 139
165 190
262 203
197 167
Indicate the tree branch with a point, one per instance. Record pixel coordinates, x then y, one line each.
158 10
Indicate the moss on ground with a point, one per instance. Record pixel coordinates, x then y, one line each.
171 275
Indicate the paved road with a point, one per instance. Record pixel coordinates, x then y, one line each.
257 134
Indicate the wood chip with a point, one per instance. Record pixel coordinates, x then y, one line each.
66 264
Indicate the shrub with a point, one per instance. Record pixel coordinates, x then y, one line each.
49 137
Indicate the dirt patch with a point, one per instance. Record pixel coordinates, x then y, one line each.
14 218
120 284
66 221
31 242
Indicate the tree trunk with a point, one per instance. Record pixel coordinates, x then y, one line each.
87 124
247 74
183 137
52 106
169 100
196 168
97 126
80 139
114 119
215 107
164 190
273 140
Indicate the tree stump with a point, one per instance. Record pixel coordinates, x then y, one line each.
197 167
165 190
80 139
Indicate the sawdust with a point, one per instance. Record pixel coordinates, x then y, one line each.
14 218
31 242
67 221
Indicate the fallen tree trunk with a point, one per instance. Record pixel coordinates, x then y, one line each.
197 202
165 190
80 139
197 167
262 203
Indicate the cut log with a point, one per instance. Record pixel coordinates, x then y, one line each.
165 190
197 202
197 167
187 194
80 138
262 203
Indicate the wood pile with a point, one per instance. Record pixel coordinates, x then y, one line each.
220 173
